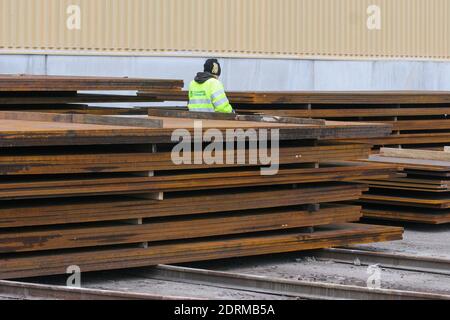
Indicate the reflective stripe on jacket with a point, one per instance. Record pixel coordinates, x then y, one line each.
209 96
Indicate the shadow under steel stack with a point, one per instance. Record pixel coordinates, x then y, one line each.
103 193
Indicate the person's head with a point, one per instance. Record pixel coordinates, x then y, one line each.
213 66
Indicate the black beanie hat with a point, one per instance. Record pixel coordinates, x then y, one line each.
213 66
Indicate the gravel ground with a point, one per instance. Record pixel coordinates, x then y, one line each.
419 240
126 282
305 267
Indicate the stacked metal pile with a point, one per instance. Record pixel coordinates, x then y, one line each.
420 193
103 193
418 118
65 94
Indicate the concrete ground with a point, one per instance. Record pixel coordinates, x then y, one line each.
419 240
306 268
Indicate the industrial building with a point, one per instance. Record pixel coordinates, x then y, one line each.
297 45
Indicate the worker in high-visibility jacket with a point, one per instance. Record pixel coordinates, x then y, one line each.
206 92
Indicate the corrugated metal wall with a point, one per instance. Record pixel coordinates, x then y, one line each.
263 28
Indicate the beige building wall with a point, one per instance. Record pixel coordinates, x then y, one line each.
347 29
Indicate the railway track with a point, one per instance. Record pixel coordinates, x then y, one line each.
11 290
385 260
271 285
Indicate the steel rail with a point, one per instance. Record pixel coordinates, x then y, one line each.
270 285
31 291
387 260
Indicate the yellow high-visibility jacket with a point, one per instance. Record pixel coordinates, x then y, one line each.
209 96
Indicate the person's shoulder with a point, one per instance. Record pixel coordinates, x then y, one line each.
214 82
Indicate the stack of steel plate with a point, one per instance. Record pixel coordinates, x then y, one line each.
64 94
104 192
419 119
419 193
